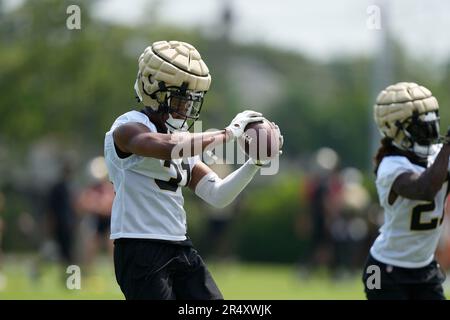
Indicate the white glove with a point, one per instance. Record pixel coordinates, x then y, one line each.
238 124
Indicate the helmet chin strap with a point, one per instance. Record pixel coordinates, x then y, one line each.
408 143
173 124
424 151
419 150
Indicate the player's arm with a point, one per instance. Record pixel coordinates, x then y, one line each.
426 185
136 138
221 192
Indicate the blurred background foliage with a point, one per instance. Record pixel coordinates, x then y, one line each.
61 90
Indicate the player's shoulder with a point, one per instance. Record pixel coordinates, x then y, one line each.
394 161
133 116
392 164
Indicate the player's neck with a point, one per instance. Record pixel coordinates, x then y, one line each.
157 119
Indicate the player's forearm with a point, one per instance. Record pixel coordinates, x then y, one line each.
426 185
220 193
192 144
433 178
174 146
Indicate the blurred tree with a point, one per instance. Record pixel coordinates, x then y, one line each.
69 85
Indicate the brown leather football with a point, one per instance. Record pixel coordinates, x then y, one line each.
260 140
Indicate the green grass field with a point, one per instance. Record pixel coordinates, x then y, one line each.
236 280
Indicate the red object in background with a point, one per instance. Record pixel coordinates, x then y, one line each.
97 199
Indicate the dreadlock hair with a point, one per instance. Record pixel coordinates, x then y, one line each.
389 149
386 148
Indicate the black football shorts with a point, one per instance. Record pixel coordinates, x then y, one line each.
162 270
397 283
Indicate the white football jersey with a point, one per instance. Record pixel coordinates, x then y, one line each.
411 229
148 202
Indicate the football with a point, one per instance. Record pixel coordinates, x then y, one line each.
261 140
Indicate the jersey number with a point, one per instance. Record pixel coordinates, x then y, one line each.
417 225
173 183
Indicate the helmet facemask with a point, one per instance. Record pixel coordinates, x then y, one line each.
422 133
183 107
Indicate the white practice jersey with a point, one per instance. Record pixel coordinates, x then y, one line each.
411 229
148 202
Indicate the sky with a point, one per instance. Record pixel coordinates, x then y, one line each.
321 29
318 28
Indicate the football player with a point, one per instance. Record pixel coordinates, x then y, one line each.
411 169
153 257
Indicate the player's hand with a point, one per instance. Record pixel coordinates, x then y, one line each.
240 121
